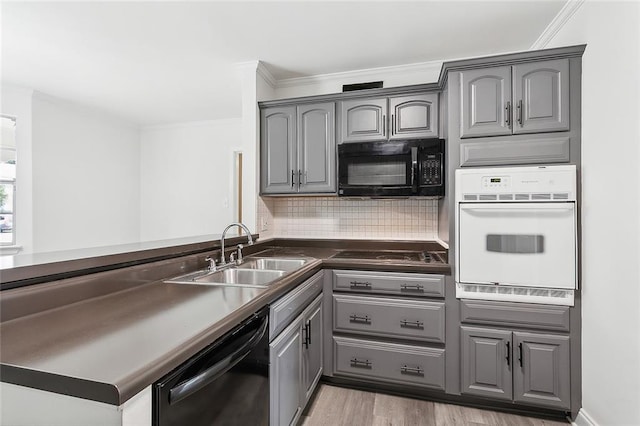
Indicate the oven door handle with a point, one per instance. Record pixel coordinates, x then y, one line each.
194 384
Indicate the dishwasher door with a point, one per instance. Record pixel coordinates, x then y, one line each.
226 383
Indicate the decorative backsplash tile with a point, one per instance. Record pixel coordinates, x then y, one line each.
332 217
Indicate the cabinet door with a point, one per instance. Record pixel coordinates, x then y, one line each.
313 348
542 369
486 362
414 116
278 150
486 102
363 120
285 355
541 96
316 147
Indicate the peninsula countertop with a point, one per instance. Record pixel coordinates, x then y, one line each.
109 348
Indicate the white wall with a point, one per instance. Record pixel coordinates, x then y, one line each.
186 178
17 102
85 177
611 211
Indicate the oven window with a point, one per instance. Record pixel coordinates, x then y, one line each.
377 172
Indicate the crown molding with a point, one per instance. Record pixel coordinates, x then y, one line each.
358 74
559 21
264 72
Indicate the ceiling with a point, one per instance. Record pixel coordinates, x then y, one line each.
166 62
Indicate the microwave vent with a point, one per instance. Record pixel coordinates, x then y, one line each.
505 197
561 196
470 197
522 197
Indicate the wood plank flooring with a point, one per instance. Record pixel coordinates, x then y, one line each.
335 406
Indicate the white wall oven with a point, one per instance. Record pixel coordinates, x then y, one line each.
516 233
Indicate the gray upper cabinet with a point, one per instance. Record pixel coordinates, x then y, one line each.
398 117
364 120
541 93
525 98
278 150
297 149
316 147
414 116
486 102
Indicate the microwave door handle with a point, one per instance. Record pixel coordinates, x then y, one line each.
414 169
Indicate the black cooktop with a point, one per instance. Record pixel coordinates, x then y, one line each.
405 256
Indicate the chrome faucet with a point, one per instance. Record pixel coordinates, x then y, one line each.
224 233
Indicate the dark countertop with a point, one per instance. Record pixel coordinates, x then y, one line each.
111 347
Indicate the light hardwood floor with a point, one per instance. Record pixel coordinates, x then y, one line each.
335 406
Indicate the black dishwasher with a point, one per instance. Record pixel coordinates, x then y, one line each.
227 383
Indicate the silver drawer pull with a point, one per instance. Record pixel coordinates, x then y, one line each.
360 284
412 324
412 287
413 371
360 319
355 362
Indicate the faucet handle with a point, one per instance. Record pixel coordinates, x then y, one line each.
212 263
232 257
240 247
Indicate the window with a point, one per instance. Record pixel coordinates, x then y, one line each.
7 180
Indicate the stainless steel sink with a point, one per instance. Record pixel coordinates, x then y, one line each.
273 264
240 277
253 272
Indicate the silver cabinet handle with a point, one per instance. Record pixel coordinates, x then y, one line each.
393 124
355 362
299 177
508 108
413 371
384 125
292 178
360 284
412 287
359 319
519 108
412 324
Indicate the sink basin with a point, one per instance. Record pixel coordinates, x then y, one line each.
240 277
286 265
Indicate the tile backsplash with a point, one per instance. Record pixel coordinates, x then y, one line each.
355 218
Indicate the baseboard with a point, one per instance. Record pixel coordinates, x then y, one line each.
583 419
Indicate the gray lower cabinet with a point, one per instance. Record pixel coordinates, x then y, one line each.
524 98
388 327
297 149
296 365
409 116
523 367
389 362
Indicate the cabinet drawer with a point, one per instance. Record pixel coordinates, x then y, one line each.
389 282
406 319
389 362
526 315
285 309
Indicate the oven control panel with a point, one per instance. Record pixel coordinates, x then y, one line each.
497 182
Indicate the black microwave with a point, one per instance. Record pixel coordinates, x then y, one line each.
391 168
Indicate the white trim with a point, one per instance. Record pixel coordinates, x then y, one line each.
583 419
264 72
567 11
341 76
